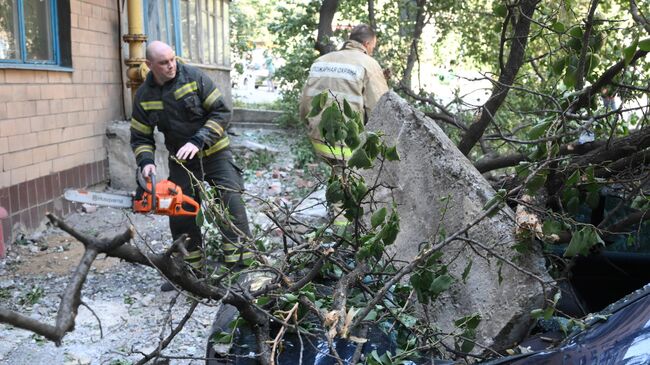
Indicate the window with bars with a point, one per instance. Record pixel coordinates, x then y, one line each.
196 29
35 33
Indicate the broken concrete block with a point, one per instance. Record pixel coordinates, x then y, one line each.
432 168
121 161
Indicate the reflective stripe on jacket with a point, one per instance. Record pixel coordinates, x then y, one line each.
349 74
188 108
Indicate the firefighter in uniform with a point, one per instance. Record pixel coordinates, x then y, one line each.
351 74
189 110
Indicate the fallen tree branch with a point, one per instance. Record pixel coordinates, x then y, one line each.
292 313
71 298
489 164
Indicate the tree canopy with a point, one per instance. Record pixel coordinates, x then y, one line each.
568 104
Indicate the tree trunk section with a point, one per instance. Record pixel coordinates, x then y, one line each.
371 15
506 79
413 54
325 32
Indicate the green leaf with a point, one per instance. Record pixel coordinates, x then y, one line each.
372 145
360 190
570 193
555 150
538 153
467 346
522 170
289 298
644 44
391 154
334 192
559 65
536 182
372 315
593 60
391 229
582 241
378 217
537 313
576 32
372 137
317 104
360 159
200 218
441 283
500 10
573 179
558 27
352 139
490 203
548 313
408 321
262 301
552 227
331 125
371 248
575 44
471 322
222 337
570 76
590 174
573 204
538 130
420 282
629 51
347 109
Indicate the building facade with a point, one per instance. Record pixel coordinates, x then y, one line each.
62 80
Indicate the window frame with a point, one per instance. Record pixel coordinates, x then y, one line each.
53 64
221 57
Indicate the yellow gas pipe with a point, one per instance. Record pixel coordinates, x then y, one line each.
136 39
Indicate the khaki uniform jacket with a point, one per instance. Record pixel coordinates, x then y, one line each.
349 74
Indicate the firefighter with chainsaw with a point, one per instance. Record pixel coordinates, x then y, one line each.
189 110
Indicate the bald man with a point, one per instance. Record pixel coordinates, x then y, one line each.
185 105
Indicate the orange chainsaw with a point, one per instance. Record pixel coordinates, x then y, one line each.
164 198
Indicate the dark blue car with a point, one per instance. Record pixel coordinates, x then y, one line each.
620 335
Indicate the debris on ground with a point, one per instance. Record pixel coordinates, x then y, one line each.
125 297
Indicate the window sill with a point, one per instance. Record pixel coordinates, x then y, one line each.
34 67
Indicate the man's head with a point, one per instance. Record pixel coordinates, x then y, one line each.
161 61
363 34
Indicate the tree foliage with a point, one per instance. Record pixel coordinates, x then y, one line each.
569 86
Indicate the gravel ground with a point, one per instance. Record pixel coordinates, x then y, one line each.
134 314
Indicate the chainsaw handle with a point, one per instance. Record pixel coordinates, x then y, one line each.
181 211
152 176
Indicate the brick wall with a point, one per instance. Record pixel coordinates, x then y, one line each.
52 123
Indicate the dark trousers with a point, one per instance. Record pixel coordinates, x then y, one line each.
217 170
